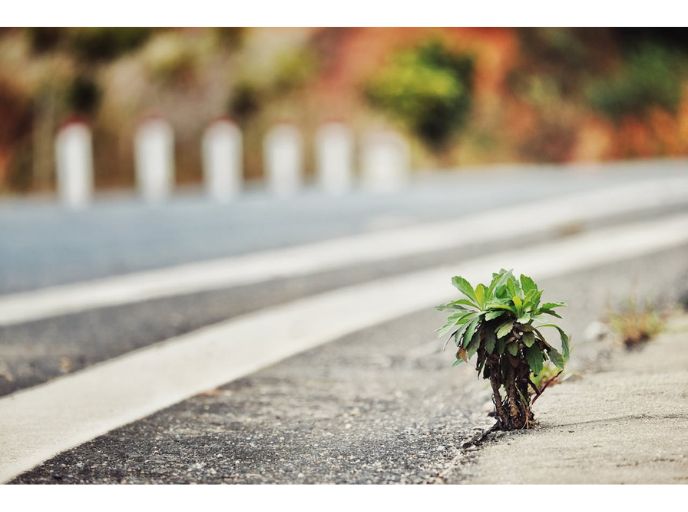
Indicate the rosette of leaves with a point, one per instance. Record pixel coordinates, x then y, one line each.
501 323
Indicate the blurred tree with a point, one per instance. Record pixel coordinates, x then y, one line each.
83 95
546 88
70 61
630 38
650 76
428 88
94 44
15 112
44 39
562 56
231 37
245 102
292 69
171 58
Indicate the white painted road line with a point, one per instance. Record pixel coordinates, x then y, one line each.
531 218
38 423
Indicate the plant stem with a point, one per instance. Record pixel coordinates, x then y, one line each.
502 417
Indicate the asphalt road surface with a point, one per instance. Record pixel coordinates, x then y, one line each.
379 404
44 245
382 405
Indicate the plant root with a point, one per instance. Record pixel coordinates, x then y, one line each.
513 412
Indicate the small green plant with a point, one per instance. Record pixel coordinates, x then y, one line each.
500 322
635 324
548 376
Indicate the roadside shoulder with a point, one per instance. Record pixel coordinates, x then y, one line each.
627 423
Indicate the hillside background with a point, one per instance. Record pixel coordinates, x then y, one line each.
462 97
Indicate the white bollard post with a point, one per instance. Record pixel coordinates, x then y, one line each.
222 160
283 156
74 164
385 162
154 159
334 154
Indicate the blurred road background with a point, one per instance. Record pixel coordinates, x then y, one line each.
289 336
460 96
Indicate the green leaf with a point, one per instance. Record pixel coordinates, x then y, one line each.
456 318
453 322
505 329
497 305
448 327
556 357
466 317
452 335
566 353
513 286
459 335
491 315
499 280
473 344
445 329
456 304
517 301
527 284
532 300
457 362
464 287
512 348
480 291
465 302
528 339
564 342
490 341
501 345
524 319
470 330
534 358
550 312
552 305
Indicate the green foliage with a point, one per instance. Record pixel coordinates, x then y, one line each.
90 44
650 77
508 309
293 68
502 323
428 88
105 43
549 373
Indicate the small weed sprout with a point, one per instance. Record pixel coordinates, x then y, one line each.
549 376
501 324
635 324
